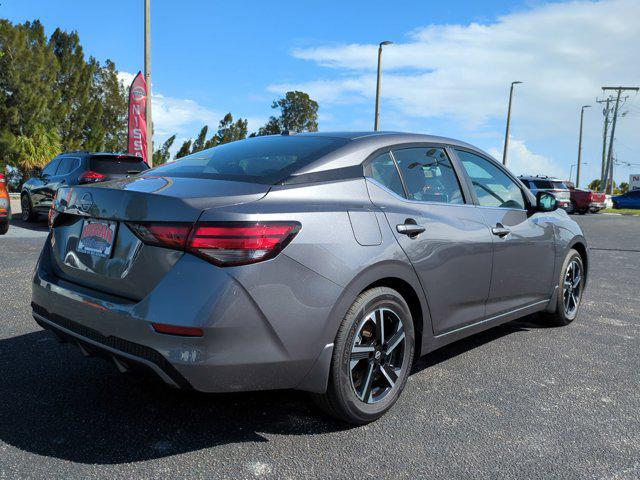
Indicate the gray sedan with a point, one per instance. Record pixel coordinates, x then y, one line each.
321 262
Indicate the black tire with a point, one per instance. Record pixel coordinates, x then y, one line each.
562 315
27 215
4 227
615 205
341 399
583 211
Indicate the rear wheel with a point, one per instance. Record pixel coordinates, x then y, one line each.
372 357
571 286
4 227
27 215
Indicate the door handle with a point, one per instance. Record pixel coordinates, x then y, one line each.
500 230
410 229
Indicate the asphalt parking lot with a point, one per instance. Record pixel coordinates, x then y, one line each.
518 401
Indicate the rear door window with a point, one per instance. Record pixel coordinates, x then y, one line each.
117 165
383 170
428 175
67 165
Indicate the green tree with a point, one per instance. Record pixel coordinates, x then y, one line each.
595 185
623 187
185 149
230 131
272 127
199 143
32 152
298 113
161 156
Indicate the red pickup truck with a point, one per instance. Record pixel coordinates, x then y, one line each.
584 201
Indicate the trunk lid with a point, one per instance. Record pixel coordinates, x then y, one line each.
132 269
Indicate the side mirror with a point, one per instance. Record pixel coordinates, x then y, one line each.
546 202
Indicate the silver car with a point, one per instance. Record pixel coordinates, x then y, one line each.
320 262
552 185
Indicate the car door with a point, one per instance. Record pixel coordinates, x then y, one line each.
57 180
40 196
523 241
443 235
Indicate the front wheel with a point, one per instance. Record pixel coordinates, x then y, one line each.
571 287
27 215
372 357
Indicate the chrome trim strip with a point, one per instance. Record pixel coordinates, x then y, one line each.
151 365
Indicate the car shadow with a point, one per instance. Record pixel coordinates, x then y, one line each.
38 225
54 402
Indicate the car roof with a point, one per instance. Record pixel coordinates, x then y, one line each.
362 144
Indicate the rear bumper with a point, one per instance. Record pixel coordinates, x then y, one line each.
262 330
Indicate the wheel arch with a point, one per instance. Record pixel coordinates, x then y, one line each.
580 245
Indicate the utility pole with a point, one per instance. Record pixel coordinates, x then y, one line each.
606 111
506 135
376 121
608 171
580 145
147 78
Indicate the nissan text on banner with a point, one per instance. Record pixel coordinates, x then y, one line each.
137 132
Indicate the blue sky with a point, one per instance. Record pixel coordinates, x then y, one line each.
448 72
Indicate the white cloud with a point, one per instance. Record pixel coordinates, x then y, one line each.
523 161
563 52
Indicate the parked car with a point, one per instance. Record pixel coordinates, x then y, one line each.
5 206
630 199
320 262
552 185
74 168
584 201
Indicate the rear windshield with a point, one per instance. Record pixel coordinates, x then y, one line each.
117 164
559 186
258 160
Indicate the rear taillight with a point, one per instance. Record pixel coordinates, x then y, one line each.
2 180
171 235
224 243
91 177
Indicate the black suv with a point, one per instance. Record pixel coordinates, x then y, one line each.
74 168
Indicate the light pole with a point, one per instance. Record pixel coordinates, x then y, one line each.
571 171
147 78
377 113
506 135
580 145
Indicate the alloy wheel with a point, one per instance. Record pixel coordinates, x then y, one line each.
377 355
572 289
25 205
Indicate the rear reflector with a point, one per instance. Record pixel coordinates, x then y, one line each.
176 330
221 243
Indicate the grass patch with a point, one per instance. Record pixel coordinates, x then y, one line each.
624 211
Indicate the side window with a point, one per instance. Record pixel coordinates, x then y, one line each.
429 175
492 186
67 165
383 170
50 169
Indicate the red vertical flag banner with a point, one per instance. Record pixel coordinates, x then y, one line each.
137 132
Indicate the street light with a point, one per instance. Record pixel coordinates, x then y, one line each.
580 145
506 135
377 113
571 171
